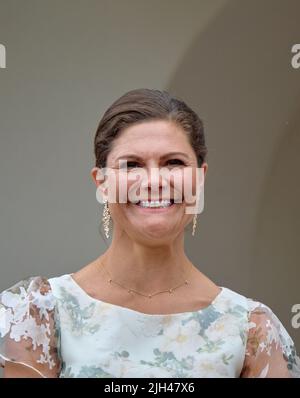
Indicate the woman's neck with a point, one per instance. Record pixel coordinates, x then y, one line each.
146 269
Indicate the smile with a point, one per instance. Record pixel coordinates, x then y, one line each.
155 206
155 203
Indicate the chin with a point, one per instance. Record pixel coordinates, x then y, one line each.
156 233
152 224
154 241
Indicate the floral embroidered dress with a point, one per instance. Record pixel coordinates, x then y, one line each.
54 327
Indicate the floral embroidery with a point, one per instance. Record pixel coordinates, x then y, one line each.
168 361
52 326
27 325
80 318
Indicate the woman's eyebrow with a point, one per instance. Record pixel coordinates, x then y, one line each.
133 156
176 153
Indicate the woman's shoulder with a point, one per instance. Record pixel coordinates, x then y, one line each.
36 289
260 315
270 350
29 328
252 305
230 299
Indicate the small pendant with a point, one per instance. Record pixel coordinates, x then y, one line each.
170 290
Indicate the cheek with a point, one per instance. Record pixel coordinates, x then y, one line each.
184 183
190 184
195 192
120 184
122 187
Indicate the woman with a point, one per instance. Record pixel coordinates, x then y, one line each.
142 309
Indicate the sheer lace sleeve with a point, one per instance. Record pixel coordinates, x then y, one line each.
270 351
29 332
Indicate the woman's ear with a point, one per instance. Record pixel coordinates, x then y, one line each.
99 179
205 167
97 175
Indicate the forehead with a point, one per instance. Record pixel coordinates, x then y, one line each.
151 138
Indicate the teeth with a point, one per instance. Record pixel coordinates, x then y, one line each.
155 203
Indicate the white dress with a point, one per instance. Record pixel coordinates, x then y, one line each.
53 326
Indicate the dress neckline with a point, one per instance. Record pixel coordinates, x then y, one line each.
130 310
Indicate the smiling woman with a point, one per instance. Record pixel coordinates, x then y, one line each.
142 308
156 144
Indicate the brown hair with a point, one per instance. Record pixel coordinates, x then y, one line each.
144 105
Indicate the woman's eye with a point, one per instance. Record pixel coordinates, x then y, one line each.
133 164
175 161
129 164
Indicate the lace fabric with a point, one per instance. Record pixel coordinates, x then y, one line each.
270 351
28 327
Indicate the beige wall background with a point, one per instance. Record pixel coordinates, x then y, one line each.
68 60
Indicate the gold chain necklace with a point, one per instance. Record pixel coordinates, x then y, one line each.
170 291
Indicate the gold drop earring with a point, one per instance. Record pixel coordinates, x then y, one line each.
106 218
194 224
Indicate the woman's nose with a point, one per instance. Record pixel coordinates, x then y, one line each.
152 178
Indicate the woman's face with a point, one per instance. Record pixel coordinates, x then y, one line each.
144 148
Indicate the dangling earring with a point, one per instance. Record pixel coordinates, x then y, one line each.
106 218
194 224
